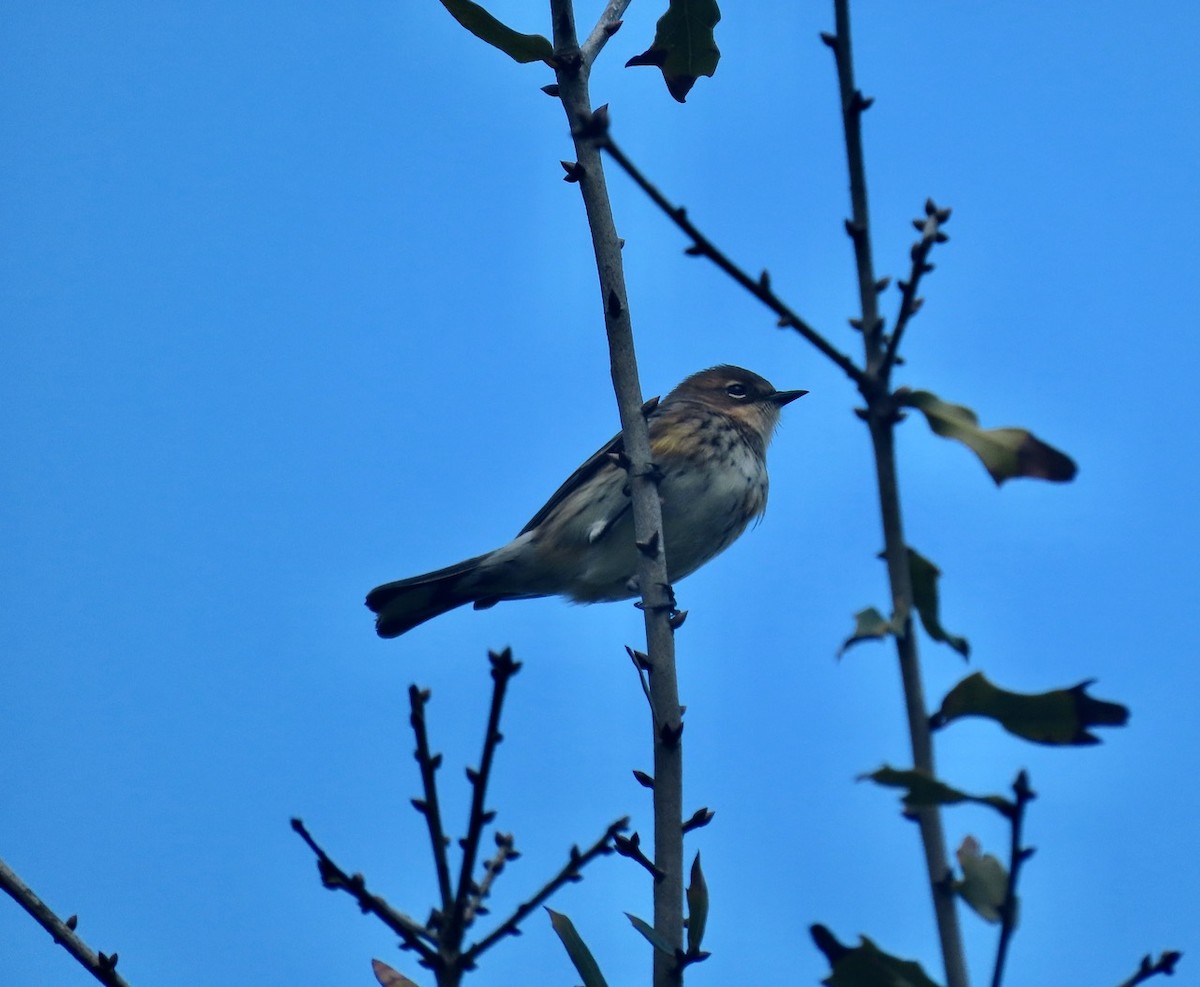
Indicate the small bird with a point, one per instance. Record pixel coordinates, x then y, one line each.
708 442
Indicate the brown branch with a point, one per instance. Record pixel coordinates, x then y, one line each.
606 26
910 303
702 246
100 965
569 874
1164 964
503 669
429 806
414 935
571 71
881 417
1017 856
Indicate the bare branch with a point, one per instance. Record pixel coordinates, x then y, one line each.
1164 964
429 807
569 873
100 965
931 233
854 104
658 602
606 27
701 246
414 935
1017 856
503 669
881 417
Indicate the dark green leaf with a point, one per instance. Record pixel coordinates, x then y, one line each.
866 965
652 937
925 791
697 899
684 47
869 624
580 955
924 575
1059 717
1005 452
519 47
984 884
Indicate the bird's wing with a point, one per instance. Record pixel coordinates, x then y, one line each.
596 462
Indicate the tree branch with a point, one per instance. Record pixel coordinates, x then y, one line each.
429 806
854 104
503 669
414 935
881 416
1164 964
100 965
657 599
701 246
1016 857
569 873
606 26
931 232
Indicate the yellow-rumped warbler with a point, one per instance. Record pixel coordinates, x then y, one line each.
708 440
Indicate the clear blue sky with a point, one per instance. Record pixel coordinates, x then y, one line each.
294 301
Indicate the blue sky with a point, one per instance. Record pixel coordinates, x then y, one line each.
294 301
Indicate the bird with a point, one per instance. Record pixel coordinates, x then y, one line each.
708 444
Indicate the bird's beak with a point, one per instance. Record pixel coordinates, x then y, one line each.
781 398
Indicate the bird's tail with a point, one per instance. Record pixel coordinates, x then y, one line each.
402 605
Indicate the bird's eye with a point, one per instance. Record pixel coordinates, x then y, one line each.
737 391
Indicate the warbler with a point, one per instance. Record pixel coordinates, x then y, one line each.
708 442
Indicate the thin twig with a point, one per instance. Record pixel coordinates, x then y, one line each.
439 941
505 851
1016 857
606 27
631 847
503 669
1164 964
569 873
701 246
429 807
854 104
881 419
657 599
414 935
910 303
100 965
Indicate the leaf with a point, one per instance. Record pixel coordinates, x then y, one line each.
1059 717
388 977
1005 452
519 47
925 791
924 575
652 937
866 965
697 899
684 47
984 885
869 624
580 955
